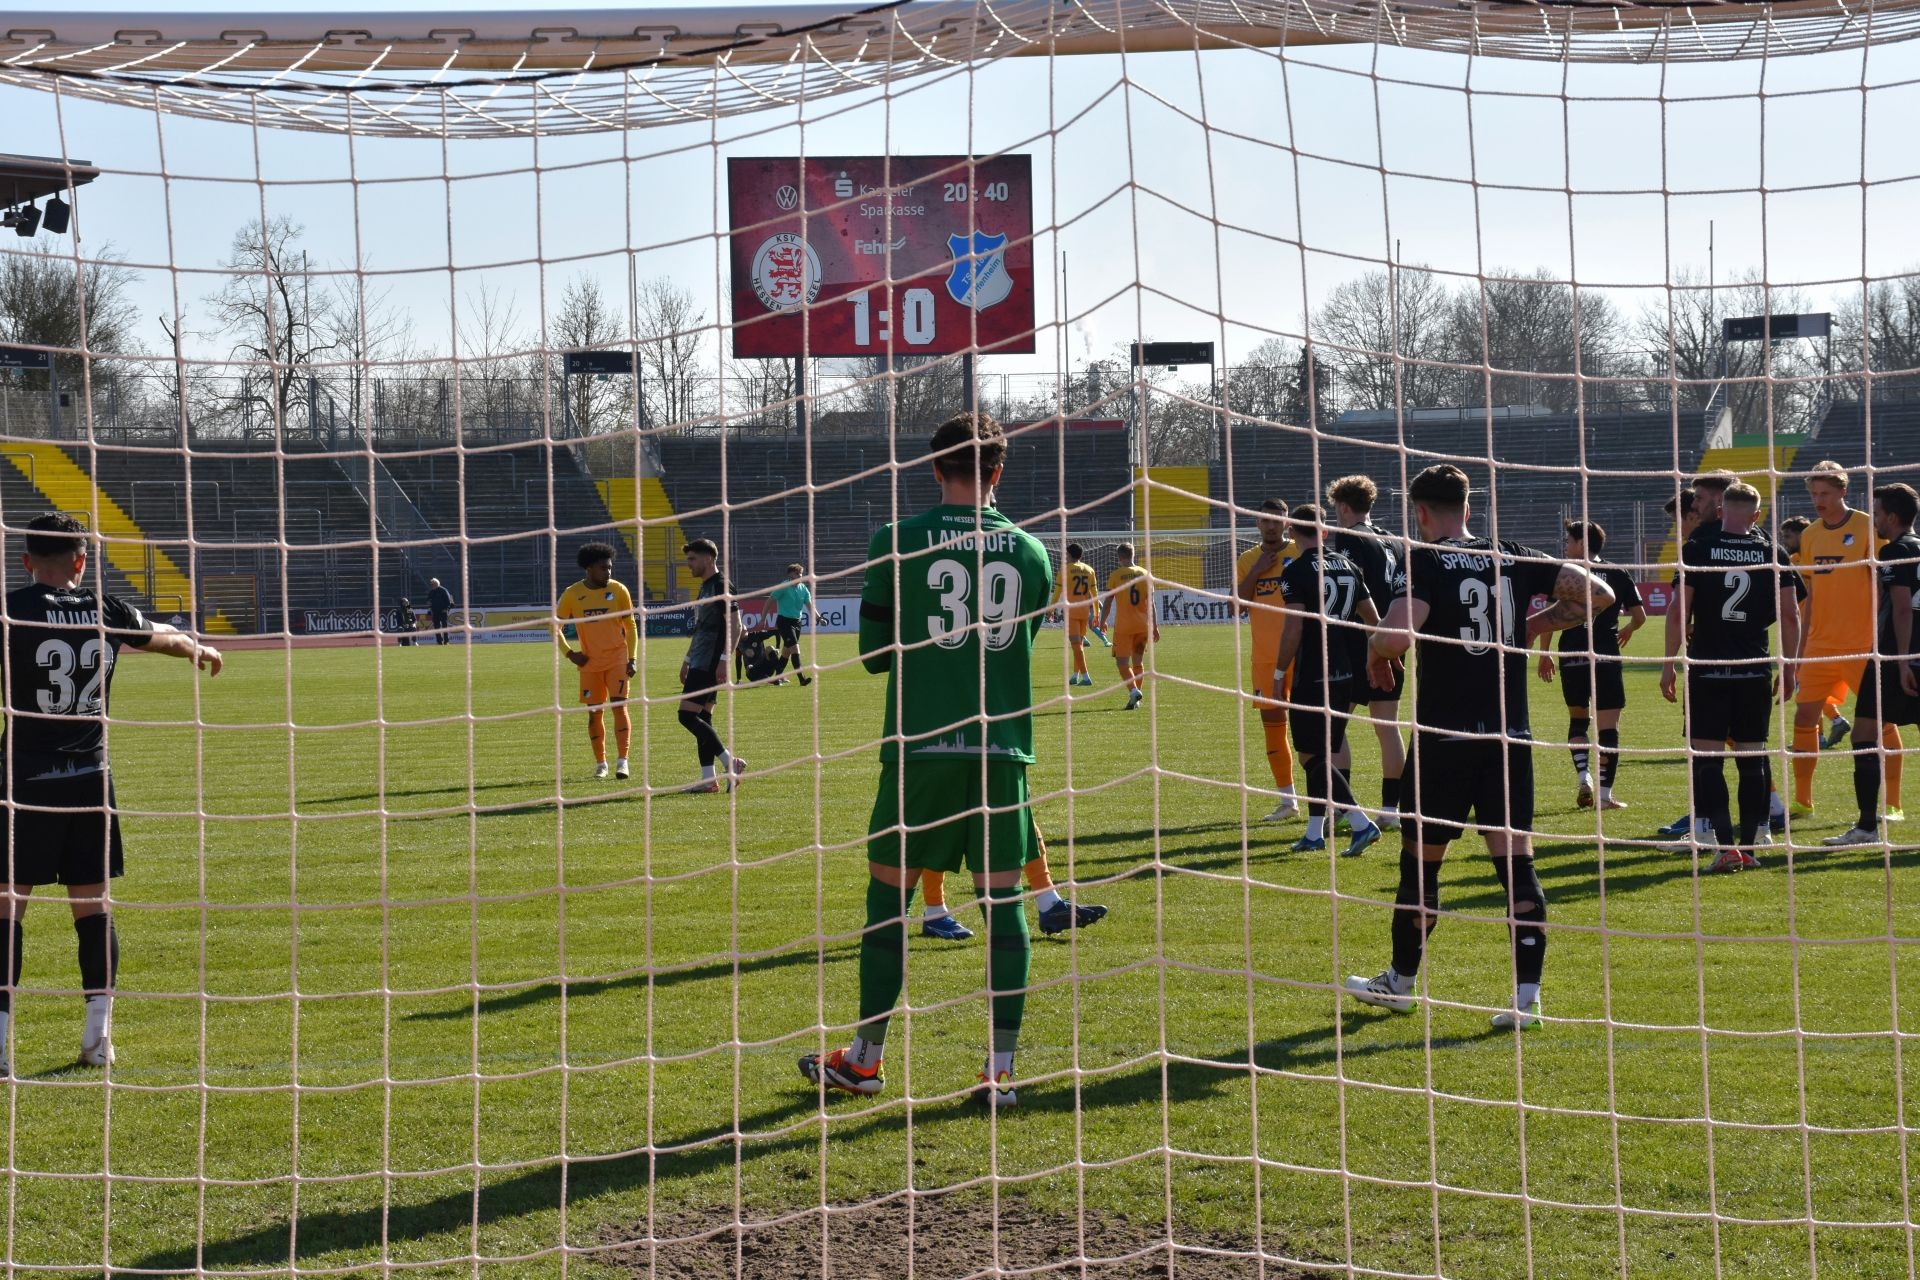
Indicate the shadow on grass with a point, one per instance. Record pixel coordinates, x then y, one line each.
531 784
507 1001
542 1190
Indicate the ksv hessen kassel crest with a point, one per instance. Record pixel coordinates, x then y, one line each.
786 272
979 277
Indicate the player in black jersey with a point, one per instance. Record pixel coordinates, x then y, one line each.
1735 586
1461 602
1324 640
1590 674
1376 553
61 644
1890 691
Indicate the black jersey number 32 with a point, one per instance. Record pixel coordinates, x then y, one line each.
61 663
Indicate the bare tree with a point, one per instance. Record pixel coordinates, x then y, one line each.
366 330
1383 338
1878 330
587 321
48 300
672 332
493 366
759 393
1518 327
270 311
1768 386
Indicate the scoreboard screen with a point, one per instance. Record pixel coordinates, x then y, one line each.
865 255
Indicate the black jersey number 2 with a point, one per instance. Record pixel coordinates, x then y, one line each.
62 663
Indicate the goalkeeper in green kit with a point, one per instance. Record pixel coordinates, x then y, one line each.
951 606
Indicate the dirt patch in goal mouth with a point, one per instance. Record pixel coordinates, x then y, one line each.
953 1236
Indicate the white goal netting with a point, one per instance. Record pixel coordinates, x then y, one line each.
343 336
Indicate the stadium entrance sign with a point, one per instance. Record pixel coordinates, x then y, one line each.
878 255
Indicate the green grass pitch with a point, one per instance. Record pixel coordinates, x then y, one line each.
335 888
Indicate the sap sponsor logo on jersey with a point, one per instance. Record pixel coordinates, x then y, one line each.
879 248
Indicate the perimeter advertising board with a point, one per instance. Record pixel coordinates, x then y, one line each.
866 255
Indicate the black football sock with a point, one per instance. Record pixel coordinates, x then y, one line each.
1609 756
1710 800
16 941
1414 905
1316 771
1389 793
1527 904
703 735
1866 789
99 953
1577 741
1753 798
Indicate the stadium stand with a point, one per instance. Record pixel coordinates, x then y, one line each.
1078 476
251 519
1631 460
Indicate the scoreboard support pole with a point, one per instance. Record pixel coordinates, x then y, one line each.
967 397
802 420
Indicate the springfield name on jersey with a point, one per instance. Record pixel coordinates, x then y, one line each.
957 643
61 646
1735 581
1472 676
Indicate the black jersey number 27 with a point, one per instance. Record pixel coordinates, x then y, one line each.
63 663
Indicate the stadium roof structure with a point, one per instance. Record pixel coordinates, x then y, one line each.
24 178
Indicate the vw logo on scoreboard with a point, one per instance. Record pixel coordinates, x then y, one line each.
866 255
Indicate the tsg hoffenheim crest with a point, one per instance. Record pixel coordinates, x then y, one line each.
979 277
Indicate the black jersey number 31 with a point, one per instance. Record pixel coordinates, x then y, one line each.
61 663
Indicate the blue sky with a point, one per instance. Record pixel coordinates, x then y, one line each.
1295 150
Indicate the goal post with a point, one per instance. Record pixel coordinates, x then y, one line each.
360 342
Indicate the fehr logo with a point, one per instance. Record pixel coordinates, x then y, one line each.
979 277
786 272
786 197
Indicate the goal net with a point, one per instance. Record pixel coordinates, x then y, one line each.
344 336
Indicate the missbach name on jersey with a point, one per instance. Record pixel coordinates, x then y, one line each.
1741 555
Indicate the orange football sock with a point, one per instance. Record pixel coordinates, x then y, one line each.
933 887
622 733
1039 875
597 735
1890 741
1080 660
1279 754
1806 754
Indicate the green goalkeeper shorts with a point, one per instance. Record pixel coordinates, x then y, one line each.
949 825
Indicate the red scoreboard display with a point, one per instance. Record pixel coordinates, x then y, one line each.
865 255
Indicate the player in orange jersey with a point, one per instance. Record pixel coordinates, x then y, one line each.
600 612
1073 596
1256 577
1836 555
1126 615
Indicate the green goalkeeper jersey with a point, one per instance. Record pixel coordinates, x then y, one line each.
957 644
